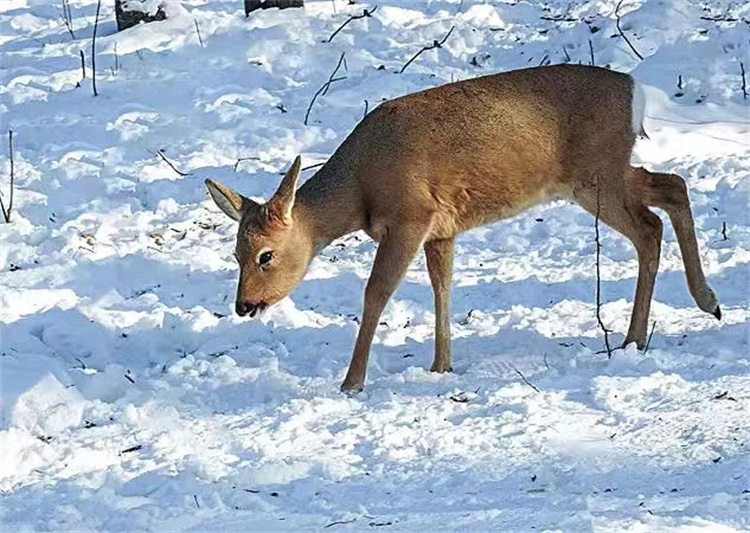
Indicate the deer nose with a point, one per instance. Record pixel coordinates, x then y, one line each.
246 307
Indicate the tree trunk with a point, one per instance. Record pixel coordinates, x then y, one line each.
130 13
252 5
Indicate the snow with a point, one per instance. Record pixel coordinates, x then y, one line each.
133 399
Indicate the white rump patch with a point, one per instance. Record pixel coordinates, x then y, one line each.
638 110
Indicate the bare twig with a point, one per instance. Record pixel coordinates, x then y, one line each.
168 162
364 14
93 48
744 81
591 52
435 44
598 275
619 29
340 523
567 55
241 159
524 378
117 59
83 65
367 108
324 88
310 167
67 17
648 342
7 212
198 31
724 236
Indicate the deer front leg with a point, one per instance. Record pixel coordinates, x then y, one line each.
440 267
396 251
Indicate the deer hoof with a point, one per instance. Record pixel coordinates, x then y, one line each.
351 389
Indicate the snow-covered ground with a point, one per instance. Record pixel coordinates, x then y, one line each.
133 399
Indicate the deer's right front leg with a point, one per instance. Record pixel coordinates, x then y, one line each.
395 253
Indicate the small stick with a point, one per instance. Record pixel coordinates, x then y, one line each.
198 31
93 48
598 275
67 17
168 162
724 235
648 342
83 65
591 51
324 88
367 105
619 29
364 14
340 523
744 81
310 167
567 55
117 59
435 44
241 159
6 213
524 378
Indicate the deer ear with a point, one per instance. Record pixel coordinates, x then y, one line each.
282 202
231 202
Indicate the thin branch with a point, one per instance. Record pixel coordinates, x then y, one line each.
310 167
198 31
117 59
83 65
241 159
367 108
340 523
67 17
168 162
364 14
435 44
93 48
324 88
648 342
744 81
619 29
6 213
591 52
598 275
567 55
524 378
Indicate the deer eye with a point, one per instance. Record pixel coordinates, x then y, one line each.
265 258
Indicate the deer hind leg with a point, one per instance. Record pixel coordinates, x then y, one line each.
395 252
669 192
439 256
618 209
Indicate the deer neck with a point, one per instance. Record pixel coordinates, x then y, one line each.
328 206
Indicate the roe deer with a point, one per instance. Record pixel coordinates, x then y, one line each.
424 167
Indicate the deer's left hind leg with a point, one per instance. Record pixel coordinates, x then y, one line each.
440 267
624 213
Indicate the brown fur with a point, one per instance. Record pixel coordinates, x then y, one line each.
422 168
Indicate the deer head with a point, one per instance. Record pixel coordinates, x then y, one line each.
273 249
